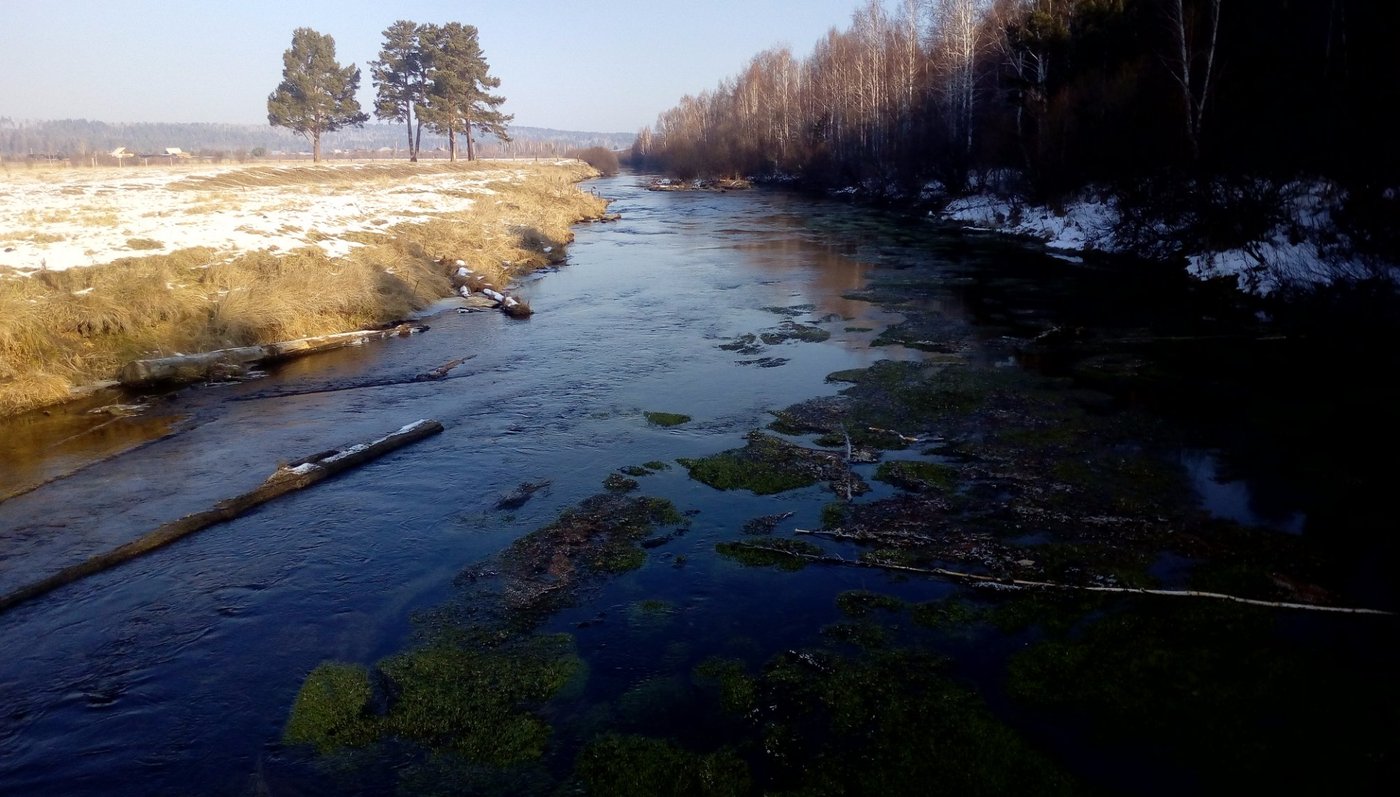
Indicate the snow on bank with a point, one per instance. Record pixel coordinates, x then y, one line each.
67 218
1084 225
1303 249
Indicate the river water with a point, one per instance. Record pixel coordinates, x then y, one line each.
174 674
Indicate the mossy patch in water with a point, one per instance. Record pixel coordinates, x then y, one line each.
834 514
764 524
617 483
947 614
651 613
791 312
666 419
634 470
862 635
887 723
917 476
790 331
1097 563
653 701
473 701
1214 686
784 554
746 343
735 685
541 571
656 465
767 465
640 766
332 709
477 702
862 603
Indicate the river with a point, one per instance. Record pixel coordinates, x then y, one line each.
175 673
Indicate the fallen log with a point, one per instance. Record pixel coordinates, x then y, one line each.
287 478
225 363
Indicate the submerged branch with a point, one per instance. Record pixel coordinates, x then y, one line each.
977 578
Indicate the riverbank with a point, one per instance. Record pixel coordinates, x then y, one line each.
99 268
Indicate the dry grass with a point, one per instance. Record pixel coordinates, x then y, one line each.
61 329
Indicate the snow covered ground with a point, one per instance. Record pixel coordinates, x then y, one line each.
1304 248
61 218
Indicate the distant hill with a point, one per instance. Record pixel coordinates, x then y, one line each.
77 138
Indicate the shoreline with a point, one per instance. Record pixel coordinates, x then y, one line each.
396 251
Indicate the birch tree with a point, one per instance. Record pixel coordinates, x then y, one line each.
1193 62
959 41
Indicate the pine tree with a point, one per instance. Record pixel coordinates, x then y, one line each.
458 100
401 80
316 95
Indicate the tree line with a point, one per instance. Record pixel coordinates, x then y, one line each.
1056 94
433 76
79 139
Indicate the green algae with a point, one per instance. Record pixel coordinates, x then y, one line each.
868 636
917 476
656 465
666 419
790 331
640 766
332 709
736 687
947 614
1211 685
635 470
784 554
650 614
768 465
862 603
478 702
617 483
888 722
834 514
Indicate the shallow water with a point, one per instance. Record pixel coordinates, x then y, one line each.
175 673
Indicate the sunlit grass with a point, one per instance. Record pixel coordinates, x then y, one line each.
61 329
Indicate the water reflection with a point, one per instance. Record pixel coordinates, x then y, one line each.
1233 499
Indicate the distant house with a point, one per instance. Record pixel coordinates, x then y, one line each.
120 153
176 152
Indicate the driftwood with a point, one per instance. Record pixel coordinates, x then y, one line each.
1016 583
224 363
287 478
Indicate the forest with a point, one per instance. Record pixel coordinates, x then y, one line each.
1148 99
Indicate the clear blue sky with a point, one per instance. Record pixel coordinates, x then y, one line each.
602 66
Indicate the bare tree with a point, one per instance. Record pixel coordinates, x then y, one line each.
959 41
1193 64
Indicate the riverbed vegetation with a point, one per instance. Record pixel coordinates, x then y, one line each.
65 328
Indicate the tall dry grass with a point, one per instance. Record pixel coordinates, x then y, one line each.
63 329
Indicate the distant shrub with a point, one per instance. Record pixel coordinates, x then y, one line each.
600 158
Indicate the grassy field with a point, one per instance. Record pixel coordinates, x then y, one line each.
100 267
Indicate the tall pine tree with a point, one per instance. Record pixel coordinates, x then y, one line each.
400 79
459 100
316 95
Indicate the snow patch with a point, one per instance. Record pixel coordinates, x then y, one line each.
67 218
